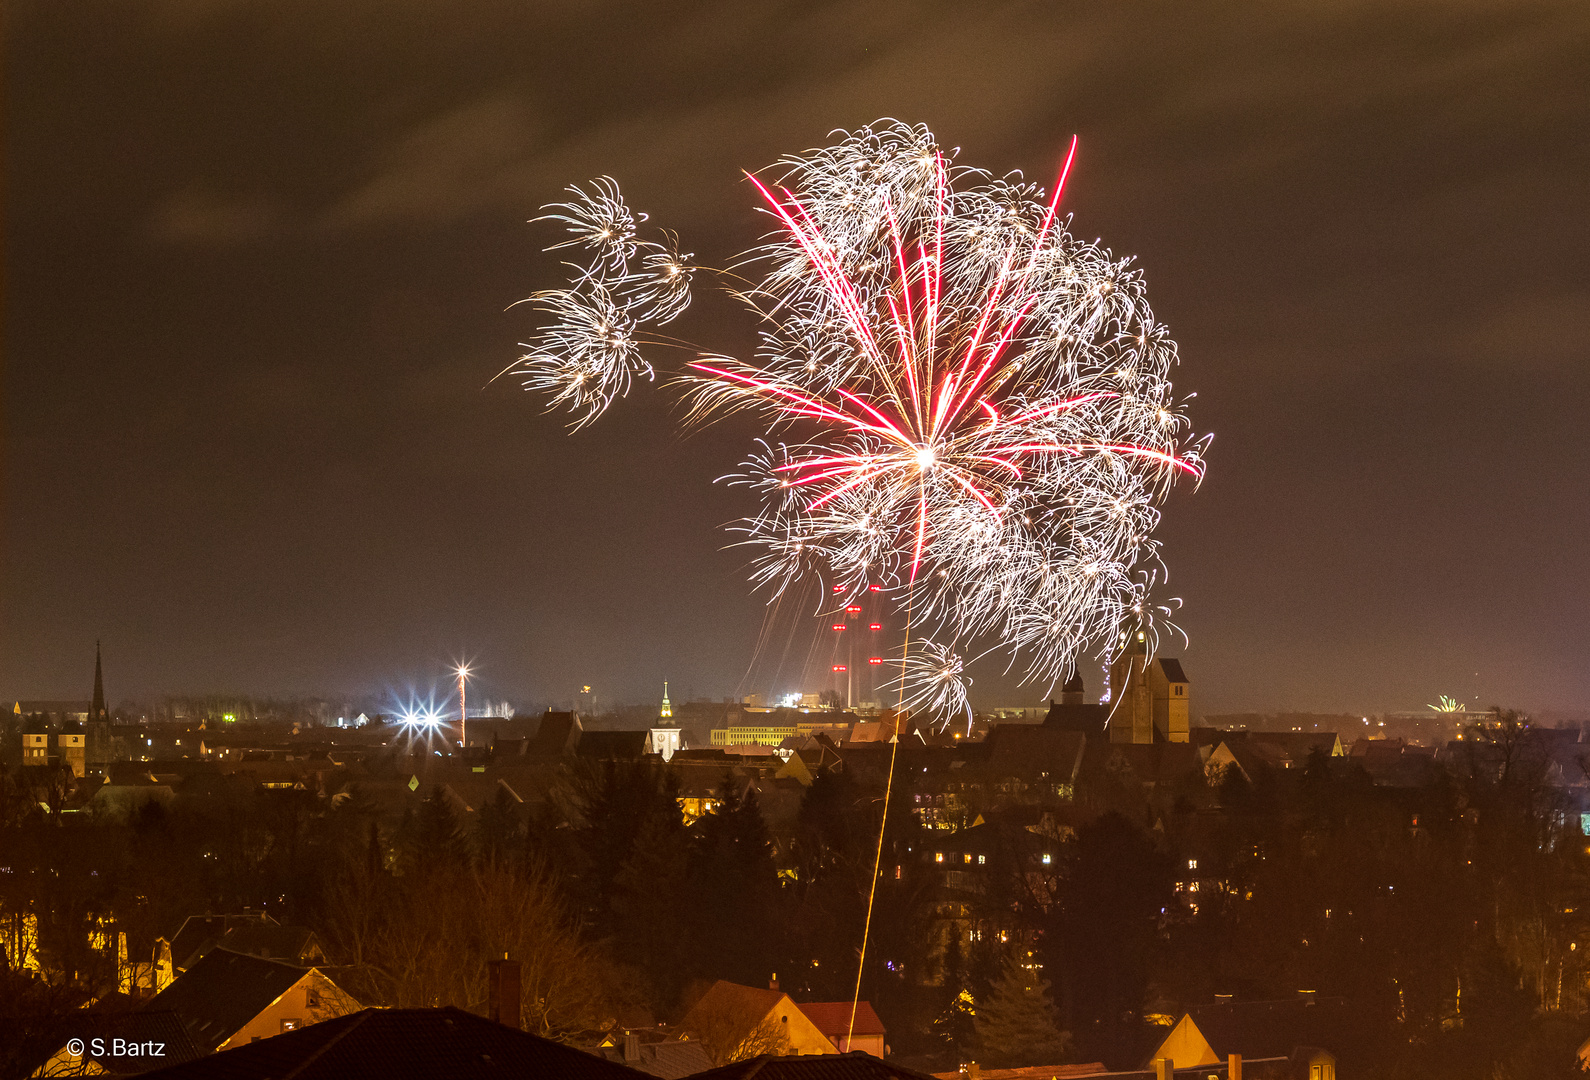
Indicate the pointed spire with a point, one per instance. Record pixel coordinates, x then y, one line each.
667 709
97 710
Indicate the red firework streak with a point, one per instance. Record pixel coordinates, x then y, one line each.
939 419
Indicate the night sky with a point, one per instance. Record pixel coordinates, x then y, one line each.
259 257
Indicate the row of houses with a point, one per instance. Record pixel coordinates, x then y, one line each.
241 1016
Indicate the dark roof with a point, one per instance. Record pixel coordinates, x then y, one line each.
1073 685
557 734
143 1027
394 1044
1172 669
223 992
852 1066
198 933
1029 749
1069 717
291 944
107 1019
612 745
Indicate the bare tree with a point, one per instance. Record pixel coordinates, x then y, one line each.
727 1037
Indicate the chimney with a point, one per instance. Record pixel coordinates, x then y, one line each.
502 991
1164 1069
632 1047
772 984
1234 1066
971 1071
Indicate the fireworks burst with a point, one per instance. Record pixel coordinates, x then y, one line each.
589 351
964 402
936 685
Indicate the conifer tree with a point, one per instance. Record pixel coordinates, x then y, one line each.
1016 1024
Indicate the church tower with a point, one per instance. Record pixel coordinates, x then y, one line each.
666 737
1131 700
96 743
1149 700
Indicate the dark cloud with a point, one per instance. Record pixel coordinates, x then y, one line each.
259 257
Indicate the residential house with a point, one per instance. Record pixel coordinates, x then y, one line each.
849 1027
198 934
227 999
735 1021
1292 1029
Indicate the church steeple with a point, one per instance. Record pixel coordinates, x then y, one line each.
97 710
667 709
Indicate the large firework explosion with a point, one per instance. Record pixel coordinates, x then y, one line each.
963 402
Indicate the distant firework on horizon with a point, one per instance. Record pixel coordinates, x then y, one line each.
962 401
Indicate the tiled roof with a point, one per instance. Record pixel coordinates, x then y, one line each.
671 1059
833 1018
612 745
1172 669
223 992
164 1028
398 1044
199 932
558 733
1076 717
853 1066
1028 749
292 944
725 998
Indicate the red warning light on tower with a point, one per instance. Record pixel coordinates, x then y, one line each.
875 660
876 626
839 667
875 588
854 609
839 626
838 589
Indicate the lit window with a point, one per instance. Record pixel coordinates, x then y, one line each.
968 857
981 860
1192 864
289 1025
938 856
1046 858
